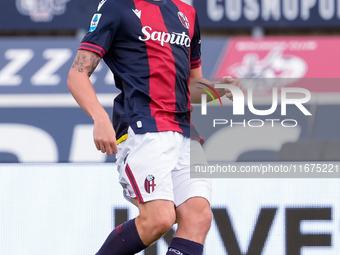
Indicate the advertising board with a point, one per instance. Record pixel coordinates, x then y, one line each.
71 208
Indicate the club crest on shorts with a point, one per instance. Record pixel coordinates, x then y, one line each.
149 183
184 20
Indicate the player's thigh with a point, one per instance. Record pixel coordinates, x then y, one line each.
158 211
194 219
145 163
155 219
194 212
192 195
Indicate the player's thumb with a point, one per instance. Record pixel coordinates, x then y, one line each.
227 79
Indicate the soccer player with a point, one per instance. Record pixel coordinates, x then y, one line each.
152 48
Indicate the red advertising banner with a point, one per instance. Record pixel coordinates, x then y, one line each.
288 59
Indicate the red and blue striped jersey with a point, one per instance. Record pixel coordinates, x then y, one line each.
150 47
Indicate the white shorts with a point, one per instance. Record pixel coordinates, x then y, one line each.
156 166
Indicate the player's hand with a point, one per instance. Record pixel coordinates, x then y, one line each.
232 81
105 136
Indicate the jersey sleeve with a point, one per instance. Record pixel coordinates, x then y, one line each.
103 27
195 58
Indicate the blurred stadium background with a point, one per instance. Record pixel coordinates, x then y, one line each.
47 204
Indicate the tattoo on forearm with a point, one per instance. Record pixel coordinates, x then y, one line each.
86 61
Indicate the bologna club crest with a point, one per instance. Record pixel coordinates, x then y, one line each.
149 183
184 20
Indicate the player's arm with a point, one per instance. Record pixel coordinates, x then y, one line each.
197 81
83 92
